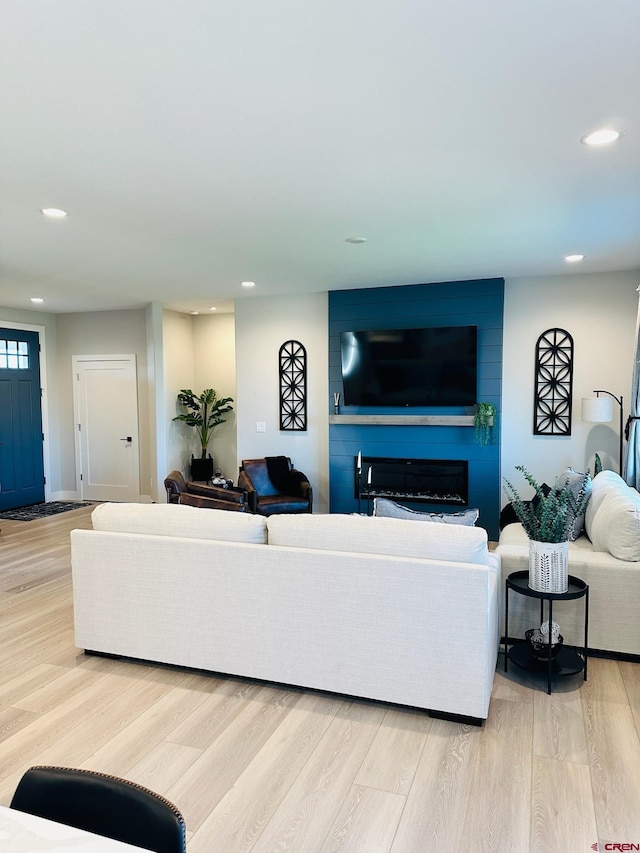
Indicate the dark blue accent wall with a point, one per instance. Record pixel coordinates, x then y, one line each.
459 303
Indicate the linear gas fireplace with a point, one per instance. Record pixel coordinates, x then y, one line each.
444 481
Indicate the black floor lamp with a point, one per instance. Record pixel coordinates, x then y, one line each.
599 410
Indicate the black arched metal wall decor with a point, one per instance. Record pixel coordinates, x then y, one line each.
293 386
554 383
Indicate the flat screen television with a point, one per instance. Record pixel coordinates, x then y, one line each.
433 366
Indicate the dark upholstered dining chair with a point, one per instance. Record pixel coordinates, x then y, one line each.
102 804
275 486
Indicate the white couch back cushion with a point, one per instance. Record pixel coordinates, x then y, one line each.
604 483
369 535
178 520
616 525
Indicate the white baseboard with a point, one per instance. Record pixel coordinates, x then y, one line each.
63 496
74 496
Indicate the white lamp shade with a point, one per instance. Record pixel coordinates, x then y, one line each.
597 410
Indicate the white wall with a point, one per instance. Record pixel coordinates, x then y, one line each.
215 367
157 437
599 311
198 353
101 333
179 372
262 326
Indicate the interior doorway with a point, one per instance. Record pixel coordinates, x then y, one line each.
106 407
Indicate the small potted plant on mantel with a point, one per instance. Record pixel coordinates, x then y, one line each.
485 421
548 520
205 414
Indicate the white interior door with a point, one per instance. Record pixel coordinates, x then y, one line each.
106 406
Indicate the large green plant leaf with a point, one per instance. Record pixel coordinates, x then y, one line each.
206 412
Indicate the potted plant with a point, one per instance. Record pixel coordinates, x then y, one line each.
205 414
485 418
548 520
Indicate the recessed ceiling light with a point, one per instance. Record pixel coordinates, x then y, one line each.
193 313
54 212
248 283
213 308
572 259
36 299
356 240
601 137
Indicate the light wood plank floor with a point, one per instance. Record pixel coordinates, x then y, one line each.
258 768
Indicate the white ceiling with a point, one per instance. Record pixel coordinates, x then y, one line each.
197 144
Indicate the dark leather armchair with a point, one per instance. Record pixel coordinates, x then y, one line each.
181 491
274 486
102 804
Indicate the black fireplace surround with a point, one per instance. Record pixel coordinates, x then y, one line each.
441 481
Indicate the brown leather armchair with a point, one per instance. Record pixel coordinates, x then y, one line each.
274 486
181 491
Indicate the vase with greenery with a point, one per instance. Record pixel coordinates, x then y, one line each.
485 418
548 520
550 515
205 412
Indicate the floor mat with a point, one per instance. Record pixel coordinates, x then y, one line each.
31 513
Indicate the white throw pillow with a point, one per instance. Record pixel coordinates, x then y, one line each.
178 520
369 535
616 526
603 484
385 508
574 479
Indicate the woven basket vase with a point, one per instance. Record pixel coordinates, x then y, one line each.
548 566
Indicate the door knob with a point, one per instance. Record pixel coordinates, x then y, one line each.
128 439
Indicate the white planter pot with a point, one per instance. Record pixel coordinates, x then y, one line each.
549 566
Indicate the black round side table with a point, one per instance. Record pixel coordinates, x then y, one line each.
568 661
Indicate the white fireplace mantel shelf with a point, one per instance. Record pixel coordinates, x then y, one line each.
403 420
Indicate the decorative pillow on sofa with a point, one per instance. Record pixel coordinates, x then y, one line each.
178 520
574 479
603 484
383 507
616 525
392 536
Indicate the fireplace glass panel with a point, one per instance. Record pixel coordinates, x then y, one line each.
429 480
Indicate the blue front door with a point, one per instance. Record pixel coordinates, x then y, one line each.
21 461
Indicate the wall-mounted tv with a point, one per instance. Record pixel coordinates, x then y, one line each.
433 366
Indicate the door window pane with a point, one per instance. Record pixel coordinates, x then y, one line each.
14 355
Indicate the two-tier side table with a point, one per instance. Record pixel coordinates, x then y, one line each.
569 660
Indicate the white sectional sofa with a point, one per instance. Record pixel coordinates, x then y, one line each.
606 556
400 611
